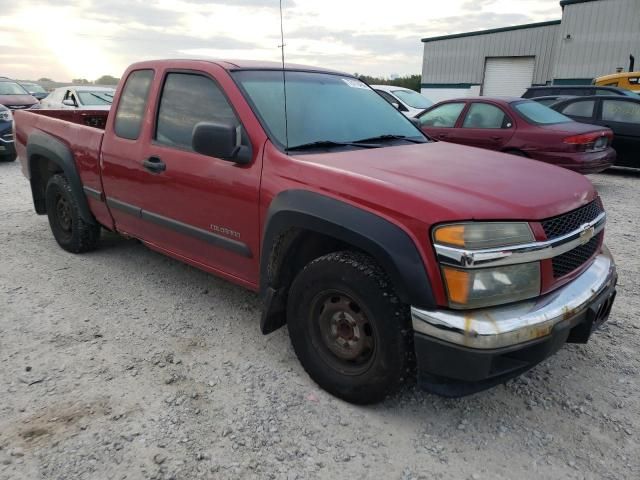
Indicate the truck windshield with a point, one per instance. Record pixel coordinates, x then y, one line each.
329 111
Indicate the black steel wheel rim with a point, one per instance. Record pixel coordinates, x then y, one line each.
342 332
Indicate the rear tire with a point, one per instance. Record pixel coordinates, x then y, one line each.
69 229
348 328
8 158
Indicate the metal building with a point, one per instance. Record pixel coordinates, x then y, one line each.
593 38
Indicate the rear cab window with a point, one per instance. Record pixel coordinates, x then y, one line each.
132 104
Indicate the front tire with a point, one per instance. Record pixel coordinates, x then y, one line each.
349 329
69 229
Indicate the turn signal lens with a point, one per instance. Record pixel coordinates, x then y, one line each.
474 236
457 282
491 286
450 235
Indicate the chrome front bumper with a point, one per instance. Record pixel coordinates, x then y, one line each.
509 325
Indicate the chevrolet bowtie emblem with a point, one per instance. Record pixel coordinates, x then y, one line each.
586 234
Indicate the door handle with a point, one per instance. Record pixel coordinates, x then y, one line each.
443 135
497 139
154 164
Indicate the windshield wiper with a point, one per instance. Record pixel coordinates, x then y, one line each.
383 138
329 144
100 97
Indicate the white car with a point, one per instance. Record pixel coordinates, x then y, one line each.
409 102
86 97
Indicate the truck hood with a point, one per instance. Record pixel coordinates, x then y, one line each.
440 181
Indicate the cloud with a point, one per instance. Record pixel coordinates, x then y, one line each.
477 4
247 3
105 36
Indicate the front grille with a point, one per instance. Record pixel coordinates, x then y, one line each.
563 224
573 259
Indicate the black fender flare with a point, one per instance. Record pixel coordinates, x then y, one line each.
386 242
40 144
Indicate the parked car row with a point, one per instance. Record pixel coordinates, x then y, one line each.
521 127
586 128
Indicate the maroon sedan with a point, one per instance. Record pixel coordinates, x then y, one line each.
521 127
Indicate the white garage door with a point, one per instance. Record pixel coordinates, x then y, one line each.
508 76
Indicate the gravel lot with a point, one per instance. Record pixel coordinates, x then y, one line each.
123 363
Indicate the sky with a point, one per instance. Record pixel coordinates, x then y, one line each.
67 39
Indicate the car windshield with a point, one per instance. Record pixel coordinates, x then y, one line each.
413 99
323 109
96 97
12 88
34 87
539 114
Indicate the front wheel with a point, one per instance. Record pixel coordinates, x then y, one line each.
69 229
349 329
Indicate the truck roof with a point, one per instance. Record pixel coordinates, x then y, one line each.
234 65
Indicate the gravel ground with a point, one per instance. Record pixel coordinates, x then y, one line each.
123 363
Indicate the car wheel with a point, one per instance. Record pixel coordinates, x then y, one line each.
349 329
8 158
70 231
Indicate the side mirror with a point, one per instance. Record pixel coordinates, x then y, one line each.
223 141
68 102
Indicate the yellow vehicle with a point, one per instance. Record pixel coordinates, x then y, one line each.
627 80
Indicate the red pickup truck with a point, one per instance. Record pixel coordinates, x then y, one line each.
381 250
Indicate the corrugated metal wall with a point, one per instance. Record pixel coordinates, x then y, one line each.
461 60
603 34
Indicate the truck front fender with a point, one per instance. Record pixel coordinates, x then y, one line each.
58 157
387 243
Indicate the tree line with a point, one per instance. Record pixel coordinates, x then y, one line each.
408 81
103 80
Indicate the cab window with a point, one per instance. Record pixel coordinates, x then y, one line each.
444 116
133 102
188 99
484 115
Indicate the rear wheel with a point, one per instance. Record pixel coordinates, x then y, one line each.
8 158
349 329
69 229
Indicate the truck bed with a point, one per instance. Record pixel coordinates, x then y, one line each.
82 131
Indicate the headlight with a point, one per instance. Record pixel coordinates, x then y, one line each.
473 236
482 287
491 286
5 115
